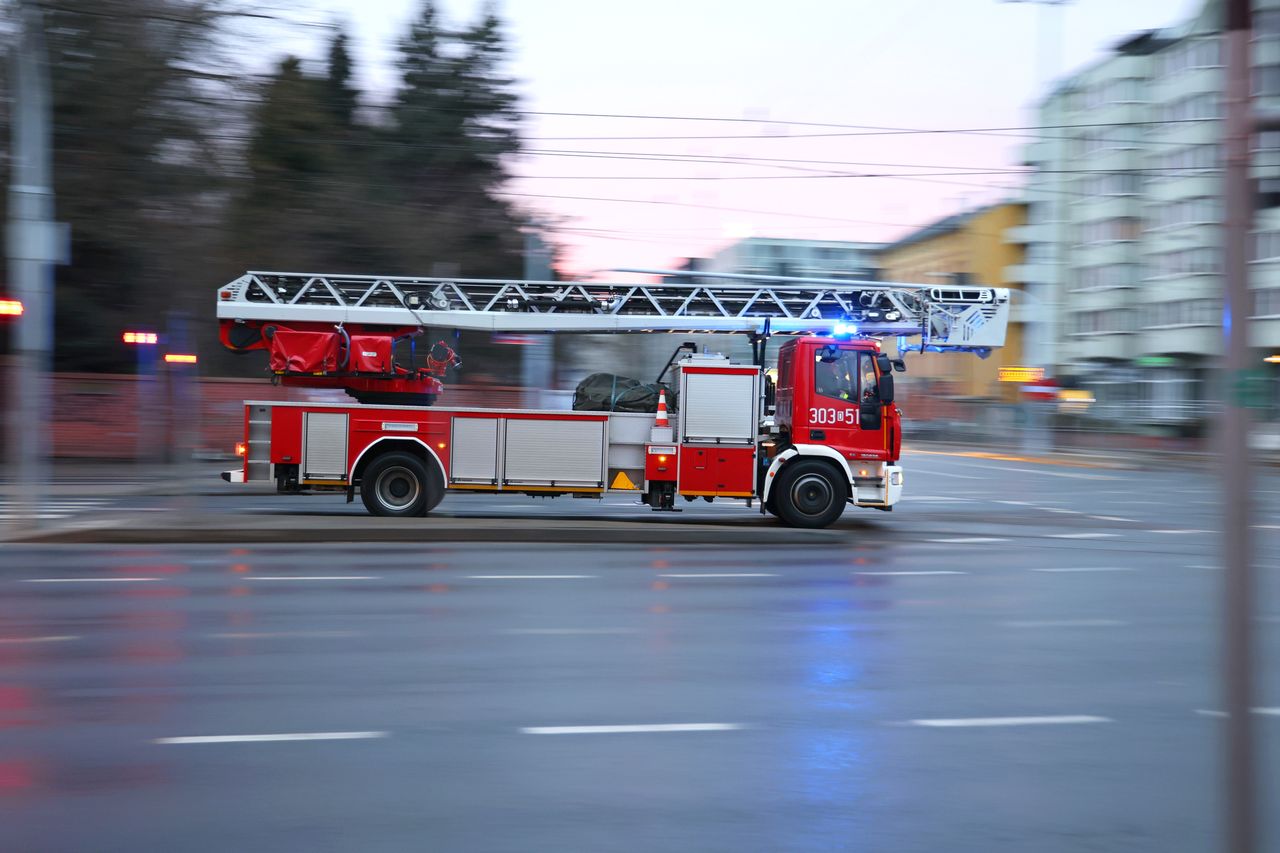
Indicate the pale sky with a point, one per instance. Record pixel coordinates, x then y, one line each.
969 64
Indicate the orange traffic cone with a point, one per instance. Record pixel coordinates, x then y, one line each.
662 410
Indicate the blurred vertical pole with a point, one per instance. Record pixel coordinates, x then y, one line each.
535 361
32 247
1039 343
1241 822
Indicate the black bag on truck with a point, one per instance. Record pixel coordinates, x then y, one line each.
608 392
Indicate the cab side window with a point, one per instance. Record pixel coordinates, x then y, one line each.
837 378
867 370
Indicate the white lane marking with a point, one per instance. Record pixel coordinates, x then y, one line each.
922 572
61 638
1088 569
1112 518
1056 473
924 473
537 632
1177 530
1016 503
721 575
1265 712
1266 527
1206 568
636 729
968 540
973 722
88 580
526 577
1083 535
264 738
1065 623
271 635
312 577
1062 511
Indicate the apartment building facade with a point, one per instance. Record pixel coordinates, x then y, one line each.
1123 238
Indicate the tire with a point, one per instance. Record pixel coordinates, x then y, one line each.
398 485
809 493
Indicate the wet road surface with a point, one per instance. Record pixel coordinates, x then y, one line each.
1020 658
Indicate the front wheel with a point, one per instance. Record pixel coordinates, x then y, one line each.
809 493
398 485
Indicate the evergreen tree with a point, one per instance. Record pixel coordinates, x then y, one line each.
452 123
340 95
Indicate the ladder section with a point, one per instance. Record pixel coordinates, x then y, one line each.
957 318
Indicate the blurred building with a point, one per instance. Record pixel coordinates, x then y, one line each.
779 256
1123 236
965 248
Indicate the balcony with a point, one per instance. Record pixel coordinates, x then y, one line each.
1034 273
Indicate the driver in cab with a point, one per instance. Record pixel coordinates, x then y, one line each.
834 379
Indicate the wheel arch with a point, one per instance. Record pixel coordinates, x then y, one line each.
386 444
805 451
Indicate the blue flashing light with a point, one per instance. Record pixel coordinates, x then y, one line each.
844 330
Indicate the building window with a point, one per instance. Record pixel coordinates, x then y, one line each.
1185 211
1187 312
1106 277
1189 160
1191 53
1111 183
1266 80
1199 107
1266 303
1266 245
1266 23
1205 259
1109 230
1113 322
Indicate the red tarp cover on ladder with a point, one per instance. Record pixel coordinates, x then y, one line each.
304 352
370 354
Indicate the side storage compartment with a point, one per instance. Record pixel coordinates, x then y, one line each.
257 452
709 471
324 446
555 452
476 443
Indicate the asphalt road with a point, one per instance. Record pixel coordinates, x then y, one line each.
1022 657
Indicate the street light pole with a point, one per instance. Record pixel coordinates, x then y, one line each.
34 244
1238 659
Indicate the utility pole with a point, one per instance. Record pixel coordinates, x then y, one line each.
35 243
1237 647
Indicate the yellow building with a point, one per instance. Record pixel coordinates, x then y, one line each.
966 248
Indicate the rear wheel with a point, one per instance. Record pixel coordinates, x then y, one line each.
809 493
398 485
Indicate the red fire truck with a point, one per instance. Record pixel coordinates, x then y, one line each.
825 435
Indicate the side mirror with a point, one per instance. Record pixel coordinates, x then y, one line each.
869 414
883 362
770 393
899 365
886 388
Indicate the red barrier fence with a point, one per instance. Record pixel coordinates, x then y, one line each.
122 417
